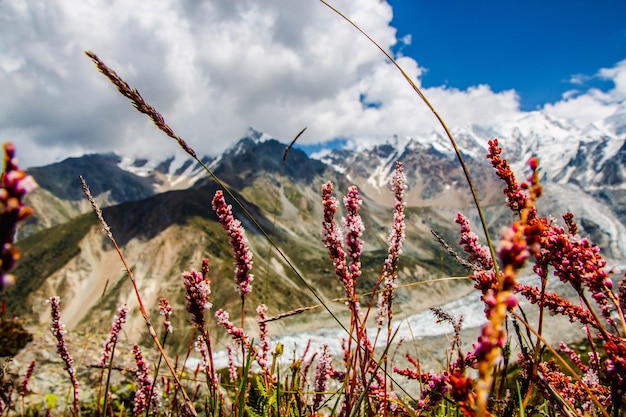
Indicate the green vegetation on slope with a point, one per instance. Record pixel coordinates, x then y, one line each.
45 253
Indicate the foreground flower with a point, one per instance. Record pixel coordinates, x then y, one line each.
321 377
165 309
116 328
395 240
14 185
264 345
197 296
332 238
235 332
58 330
29 373
142 394
238 242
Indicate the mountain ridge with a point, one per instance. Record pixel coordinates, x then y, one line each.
585 176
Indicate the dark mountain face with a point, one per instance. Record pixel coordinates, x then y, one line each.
249 159
147 218
101 172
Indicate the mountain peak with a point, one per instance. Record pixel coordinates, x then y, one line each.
102 173
257 136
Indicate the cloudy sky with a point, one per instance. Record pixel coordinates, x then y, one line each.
213 68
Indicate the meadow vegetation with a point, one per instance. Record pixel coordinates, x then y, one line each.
538 378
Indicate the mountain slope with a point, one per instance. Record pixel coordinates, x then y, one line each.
59 196
163 234
167 233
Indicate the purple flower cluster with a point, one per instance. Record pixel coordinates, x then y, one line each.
556 304
516 198
478 253
58 330
395 240
434 385
577 262
14 185
144 382
324 365
263 354
238 242
165 309
116 328
197 296
332 239
236 333
29 373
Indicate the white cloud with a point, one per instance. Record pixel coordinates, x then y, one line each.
617 74
213 69
593 104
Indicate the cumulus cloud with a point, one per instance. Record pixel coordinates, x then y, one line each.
214 69
588 106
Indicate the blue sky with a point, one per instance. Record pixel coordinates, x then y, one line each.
216 68
534 47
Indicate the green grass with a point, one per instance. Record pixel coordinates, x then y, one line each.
45 253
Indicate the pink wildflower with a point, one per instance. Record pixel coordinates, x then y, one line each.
557 304
575 357
354 226
142 395
332 239
58 330
516 199
433 385
238 242
207 364
577 262
116 328
263 354
395 240
469 240
197 292
232 368
165 309
14 185
24 384
321 377
236 333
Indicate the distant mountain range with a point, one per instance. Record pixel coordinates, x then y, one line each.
160 212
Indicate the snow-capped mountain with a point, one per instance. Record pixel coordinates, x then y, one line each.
583 169
586 162
592 157
160 212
